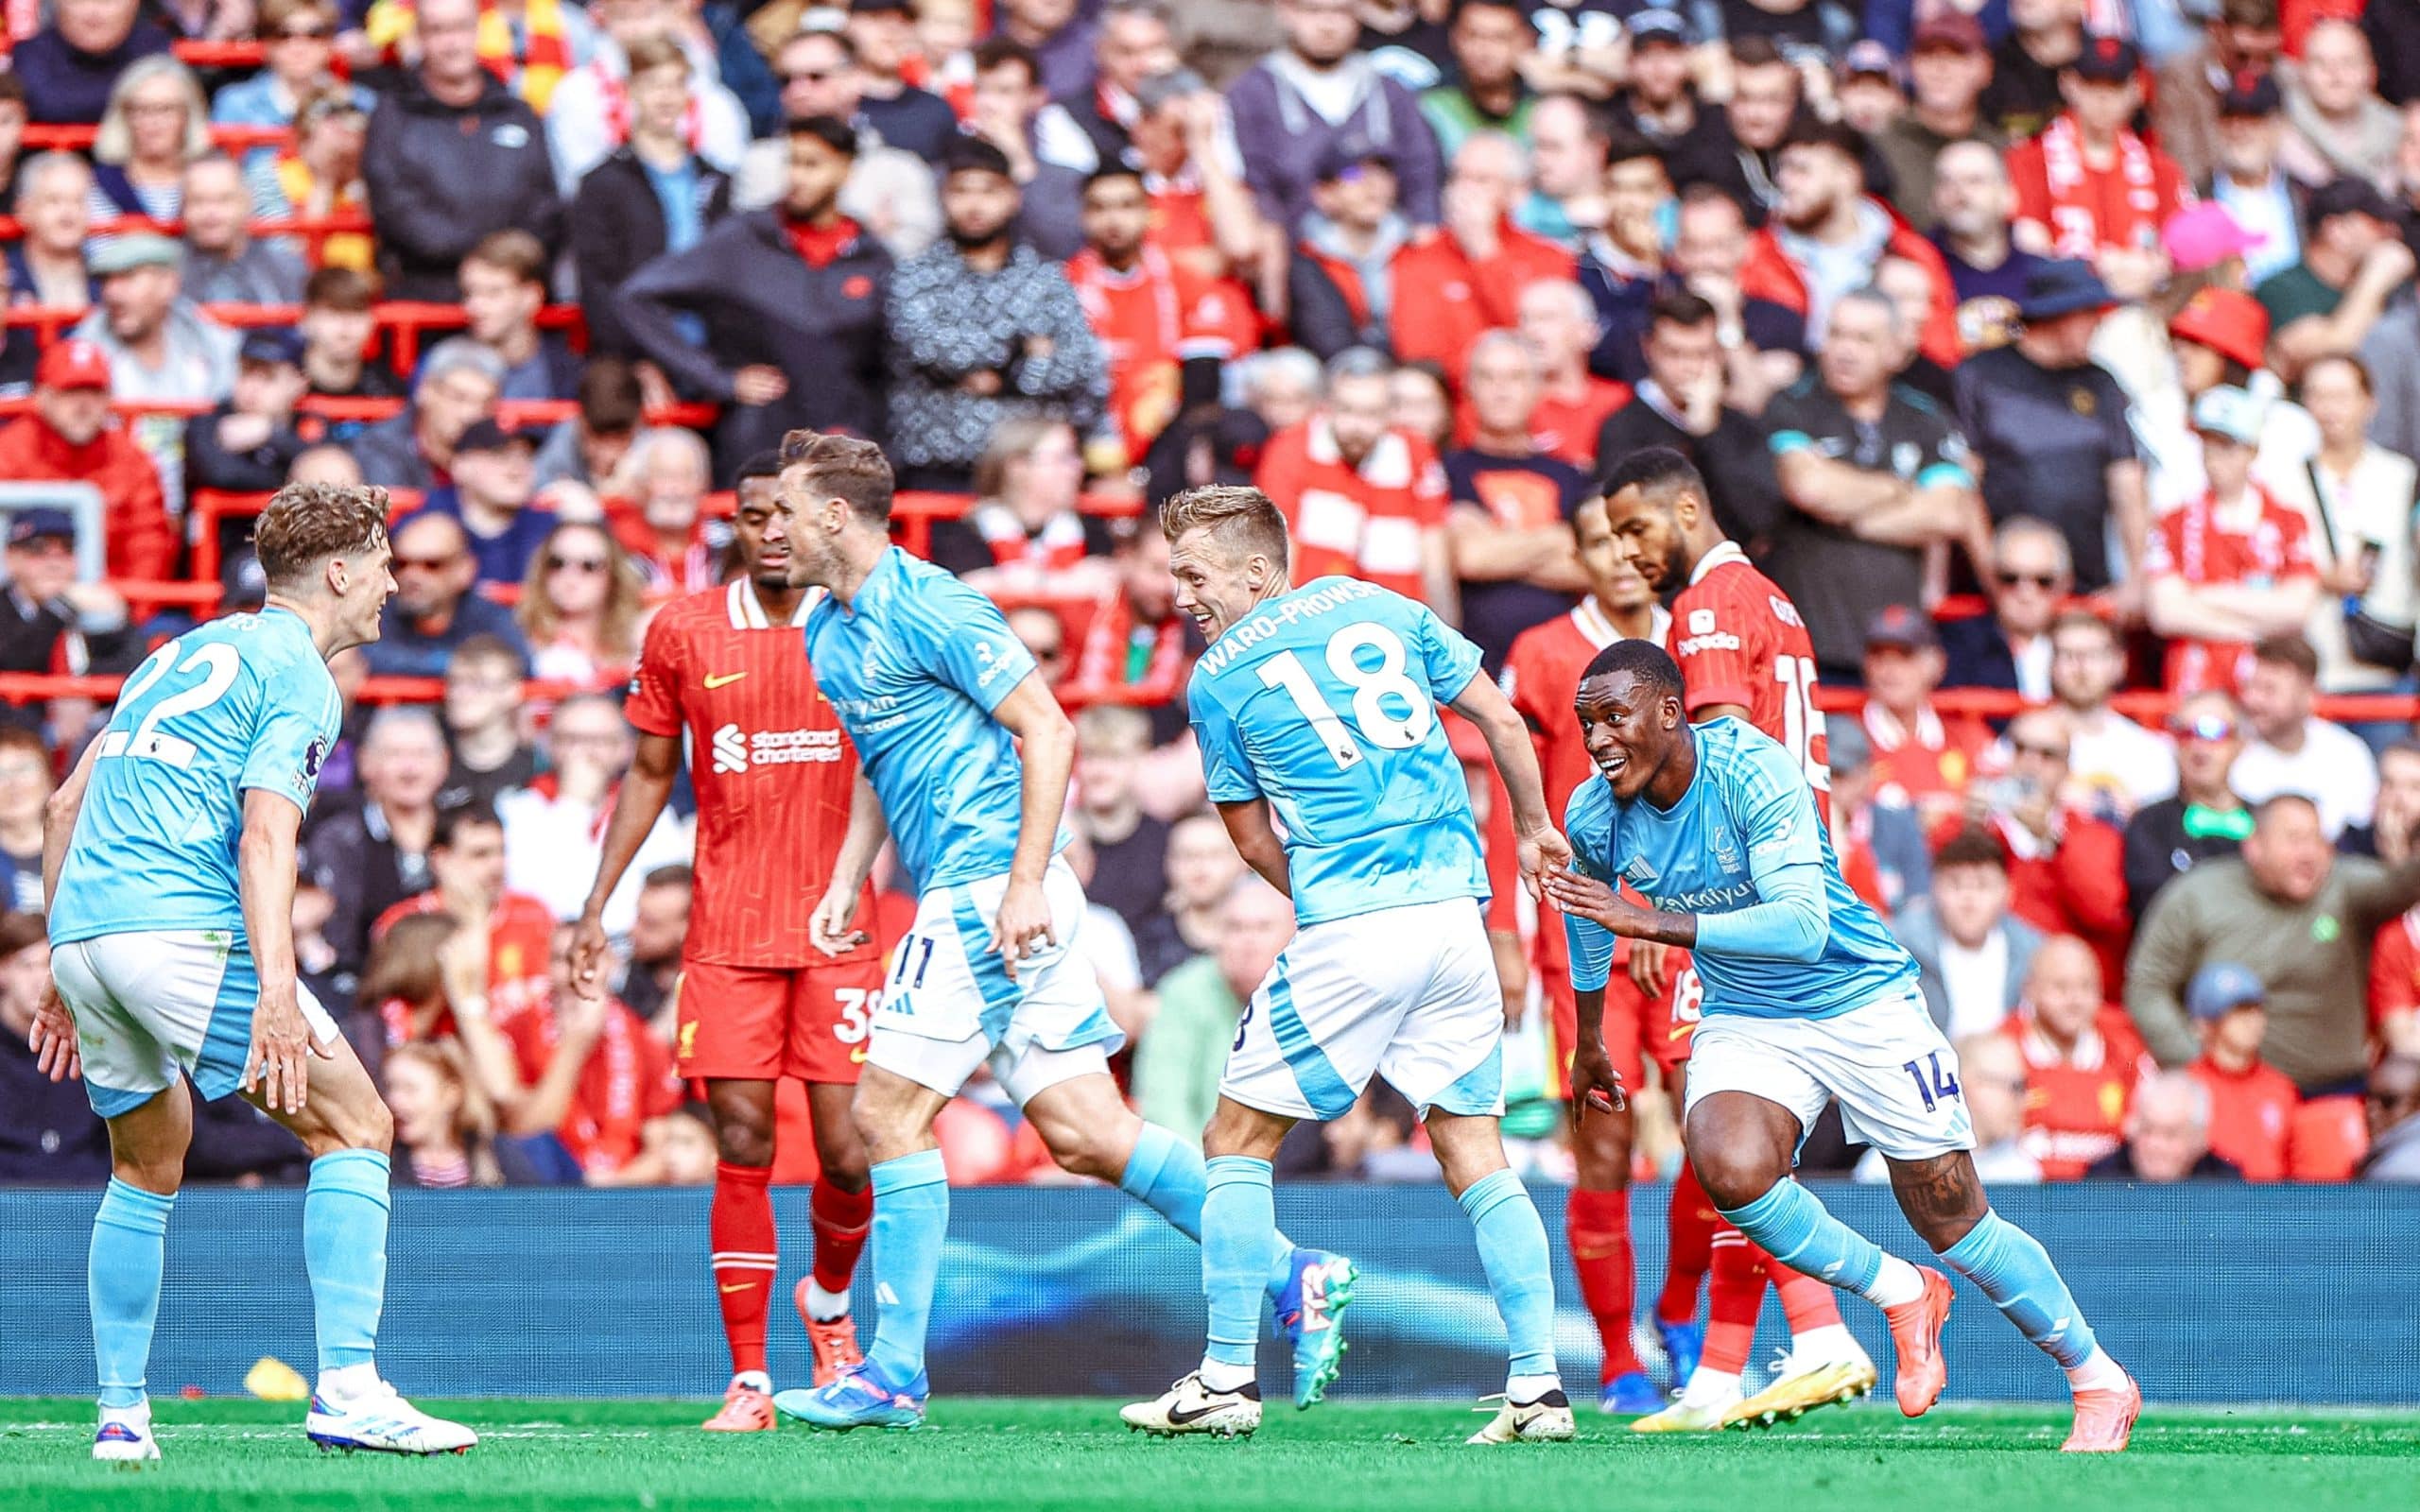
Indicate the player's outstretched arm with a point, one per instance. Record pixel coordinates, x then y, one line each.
1046 742
1256 841
832 926
1543 851
636 807
278 1065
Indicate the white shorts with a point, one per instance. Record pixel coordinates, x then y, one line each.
1893 1075
1408 993
148 1005
948 1004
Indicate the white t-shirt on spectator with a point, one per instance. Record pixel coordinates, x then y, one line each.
1976 983
2116 767
552 843
2334 769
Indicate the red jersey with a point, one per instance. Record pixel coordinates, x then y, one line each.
2252 1116
1567 428
1372 521
521 945
629 1079
1928 757
2257 543
1739 640
2394 972
1147 319
2122 203
2076 1101
772 771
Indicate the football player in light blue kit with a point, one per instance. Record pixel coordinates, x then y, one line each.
168 867
1317 706
1807 1000
937 693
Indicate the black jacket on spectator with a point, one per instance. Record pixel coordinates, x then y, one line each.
1978 654
67 87
1738 463
765 303
440 179
352 853
49 1136
262 470
916 119
2158 851
390 456
616 229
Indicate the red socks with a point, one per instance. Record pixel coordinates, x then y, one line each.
1692 1221
1597 1225
739 1227
842 1220
1737 1295
1810 1303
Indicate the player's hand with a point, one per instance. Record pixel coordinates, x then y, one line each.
1595 1084
1023 919
52 1038
1587 897
1541 854
1647 969
278 1065
830 926
590 952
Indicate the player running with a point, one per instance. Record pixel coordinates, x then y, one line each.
1744 653
758 1002
1320 703
168 876
1807 999
1540 671
938 697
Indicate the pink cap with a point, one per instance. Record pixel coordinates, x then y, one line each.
2203 236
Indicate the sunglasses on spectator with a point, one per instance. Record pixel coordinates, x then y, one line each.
2209 727
424 564
308 32
578 564
2049 753
807 75
2045 581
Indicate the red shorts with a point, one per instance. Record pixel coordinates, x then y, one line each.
1638 1029
764 1024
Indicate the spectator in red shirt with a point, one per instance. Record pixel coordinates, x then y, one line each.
1922 759
1559 321
2067 868
1466 277
2252 1103
2088 186
1362 499
2083 1059
69 438
2234 566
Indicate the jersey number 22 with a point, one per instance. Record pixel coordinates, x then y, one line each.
217 663
1375 726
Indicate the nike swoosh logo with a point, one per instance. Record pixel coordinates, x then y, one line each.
713 682
1179 1415
737 1286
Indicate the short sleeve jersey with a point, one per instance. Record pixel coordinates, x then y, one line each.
772 770
2265 546
242 703
915 664
1740 640
1323 700
1748 814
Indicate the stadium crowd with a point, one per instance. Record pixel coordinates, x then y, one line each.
2060 358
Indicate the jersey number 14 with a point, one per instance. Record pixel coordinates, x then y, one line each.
1370 685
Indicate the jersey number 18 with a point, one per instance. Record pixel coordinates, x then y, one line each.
1370 685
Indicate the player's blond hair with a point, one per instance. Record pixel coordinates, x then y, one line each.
1244 519
842 467
307 524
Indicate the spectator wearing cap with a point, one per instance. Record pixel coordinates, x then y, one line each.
491 494
2245 178
160 344
1660 102
1490 41
2051 427
1973 204
1826 234
791 302
983 330
51 622
2291 748
2065 865
69 438
339 322
504 286
596 107
2353 263
2231 566
2340 129
1343 283
1364 499
883 34
889 192
1680 404
248 444
1972 955
2218 337
2028 576
2204 819
223 265
1087 128
1949 64
2081 1060
1292 105
458 383
1868 90
70 64
652 194
1876 478
2253 1104
1507 524
453 155
436 606
2043 38
2089 187
2313 914
2240 44
1922 758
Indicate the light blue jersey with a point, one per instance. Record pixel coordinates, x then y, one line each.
1745 834
915 665
243 702
1324 702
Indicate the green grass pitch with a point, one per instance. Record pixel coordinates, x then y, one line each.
1348 1456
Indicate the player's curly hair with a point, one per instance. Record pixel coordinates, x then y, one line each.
1245 518
842 467
305 523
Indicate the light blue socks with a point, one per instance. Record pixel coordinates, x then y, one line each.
910 1223
1168 1176
1239 1241
122 1279
1513 1250
344 1247
2015 1272
1795 1230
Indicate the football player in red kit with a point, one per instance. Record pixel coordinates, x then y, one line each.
1744 653
759 1001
